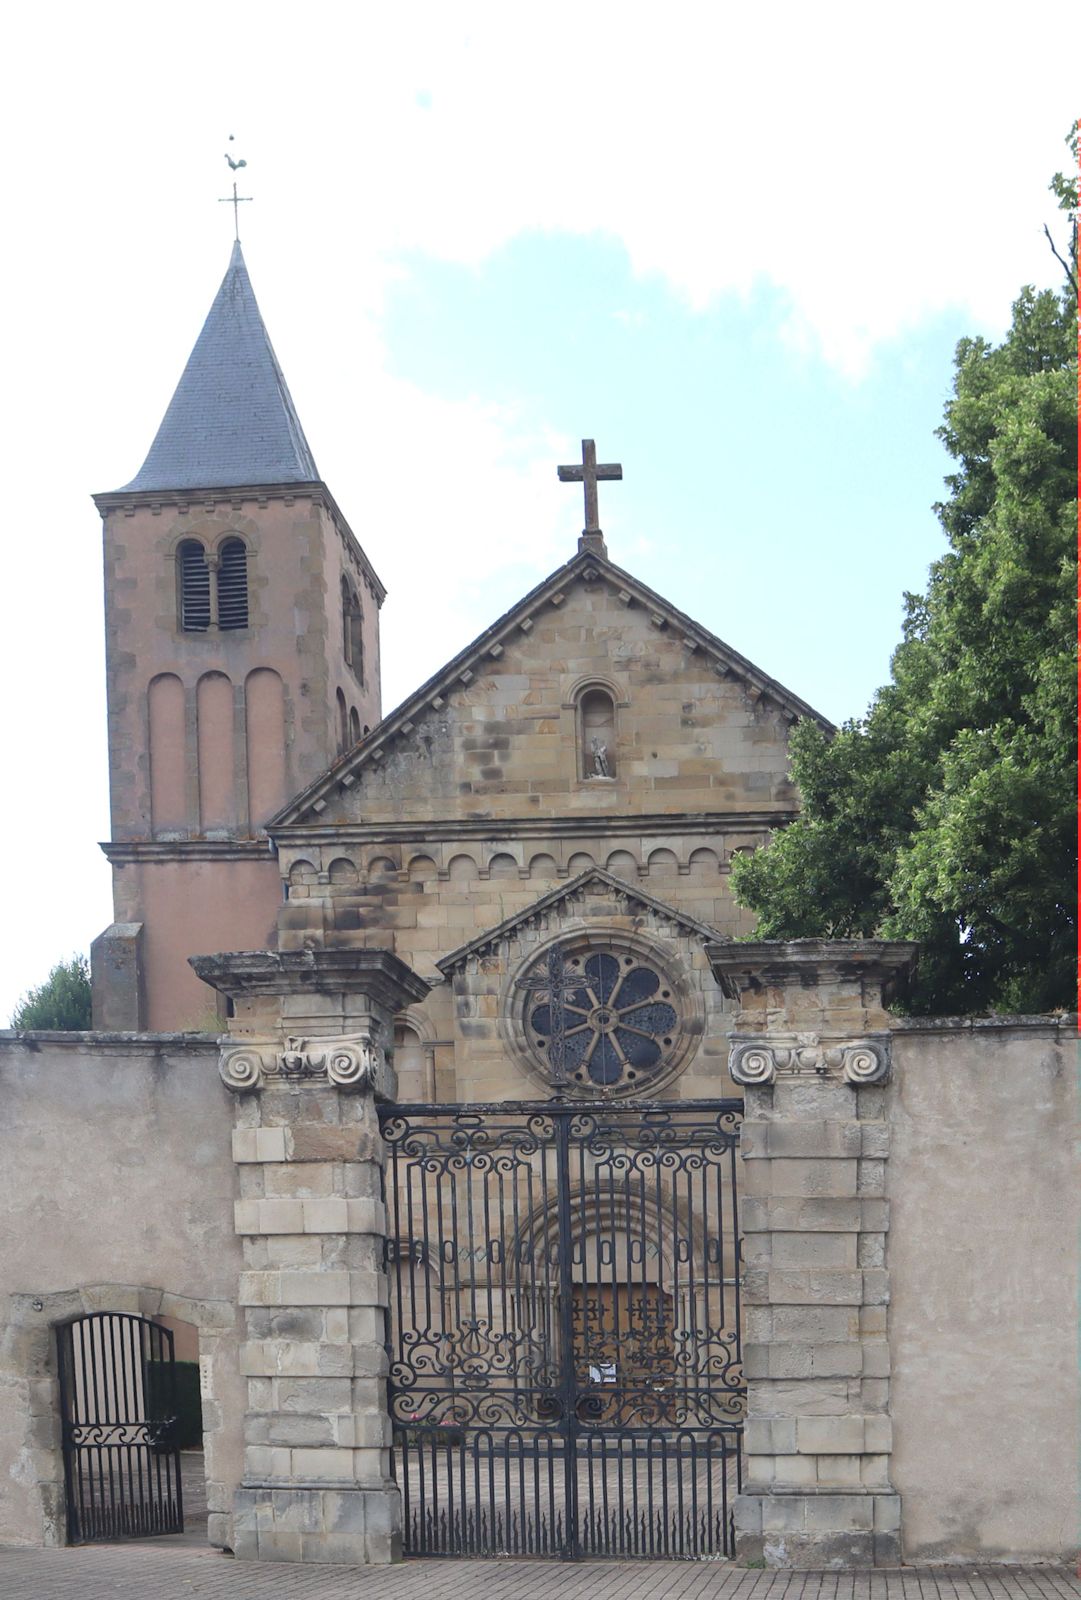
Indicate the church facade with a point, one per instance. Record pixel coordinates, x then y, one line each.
511 1198
593 727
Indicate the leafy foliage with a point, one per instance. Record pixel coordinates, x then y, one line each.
62 1001
1065 189
947 813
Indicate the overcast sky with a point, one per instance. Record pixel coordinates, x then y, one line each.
735 245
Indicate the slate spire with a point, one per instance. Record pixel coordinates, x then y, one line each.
232 420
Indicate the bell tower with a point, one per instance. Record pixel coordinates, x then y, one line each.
242 657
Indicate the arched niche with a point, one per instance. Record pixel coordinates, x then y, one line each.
216 723
264 707
595 720
704 863
381 869
168 754
663 863
462 869
342 872
621 864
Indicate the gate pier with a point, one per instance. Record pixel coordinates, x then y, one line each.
307 1056
812 1051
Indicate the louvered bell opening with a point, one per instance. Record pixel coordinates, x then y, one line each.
194 588
233 585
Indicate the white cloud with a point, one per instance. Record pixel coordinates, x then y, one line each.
874 165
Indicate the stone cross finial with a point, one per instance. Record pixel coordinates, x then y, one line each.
590 474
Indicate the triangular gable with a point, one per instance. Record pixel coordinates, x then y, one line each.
594 877
490 646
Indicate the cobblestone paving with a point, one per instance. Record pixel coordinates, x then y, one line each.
175 1570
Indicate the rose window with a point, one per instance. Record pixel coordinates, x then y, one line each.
619 1020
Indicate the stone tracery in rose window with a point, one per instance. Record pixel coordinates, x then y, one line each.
620 1022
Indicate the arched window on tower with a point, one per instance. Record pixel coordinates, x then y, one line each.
233 585
596 733
343 724
345 618
354 726
352 630
356 654
193 585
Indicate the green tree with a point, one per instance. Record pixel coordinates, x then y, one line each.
62 1001
947 813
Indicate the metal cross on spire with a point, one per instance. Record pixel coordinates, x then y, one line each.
235 200
590 474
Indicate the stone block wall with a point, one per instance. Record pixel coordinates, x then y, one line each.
694 734
434 897
816 1357
812 1050
317 1480
310 1049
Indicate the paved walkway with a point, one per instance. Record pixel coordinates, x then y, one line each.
172 1569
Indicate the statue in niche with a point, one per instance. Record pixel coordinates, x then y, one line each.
597 734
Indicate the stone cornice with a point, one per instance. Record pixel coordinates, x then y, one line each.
124 852
376 973
504 828
129 500
756 965
587 566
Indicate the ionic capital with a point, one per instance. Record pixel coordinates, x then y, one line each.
355 1062
758 1062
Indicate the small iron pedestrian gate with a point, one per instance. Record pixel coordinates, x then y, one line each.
563 1334
118 1411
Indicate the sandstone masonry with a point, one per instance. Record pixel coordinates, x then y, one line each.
812 1049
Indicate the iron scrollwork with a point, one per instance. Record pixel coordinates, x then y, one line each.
563 1288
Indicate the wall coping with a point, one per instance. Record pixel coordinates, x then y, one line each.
33 1039
1022 1022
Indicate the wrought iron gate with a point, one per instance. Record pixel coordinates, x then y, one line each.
564 1349
118 1410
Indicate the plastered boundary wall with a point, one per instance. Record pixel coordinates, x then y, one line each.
116 1193
117 1186
985 1212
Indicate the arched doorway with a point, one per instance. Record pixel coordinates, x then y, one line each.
204 1339
119 1409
